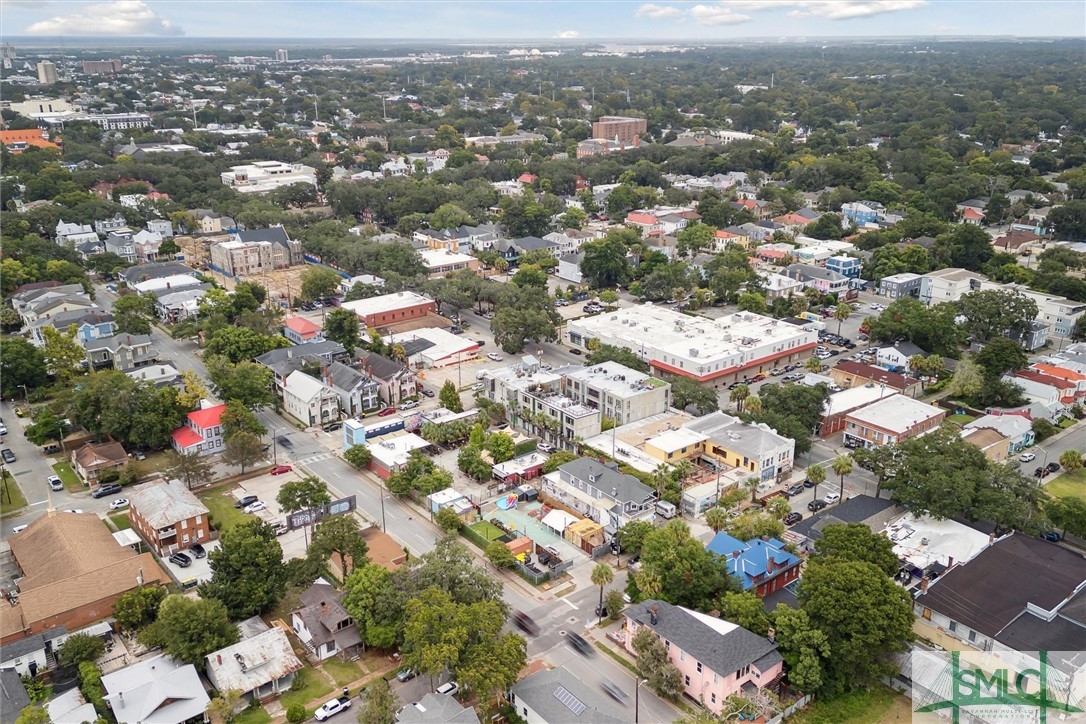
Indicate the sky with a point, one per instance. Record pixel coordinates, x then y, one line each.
664 20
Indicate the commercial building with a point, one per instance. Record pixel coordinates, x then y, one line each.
620 128
710 351
890 420
381 311
168 516
440 262
47 72
618 392
102 67
433 347
261 177
901 286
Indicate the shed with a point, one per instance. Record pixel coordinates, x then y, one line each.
585 534
520 547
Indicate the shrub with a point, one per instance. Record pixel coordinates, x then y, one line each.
296 713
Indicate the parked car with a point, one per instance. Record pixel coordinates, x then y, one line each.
493 356
795 490
580 644
832 498
448 688
331 708
601 611
757 378
19 528
427 391
386 412
576 351
477 386
409 405
280 528
1041 473
118 504
107 489
255 507
280 469
180 559
792 518
1052 467
245 501
8 455
333 426
3 429
545 447
1053 536
197 550
406 674
55 483
816 505
807 483
1027 457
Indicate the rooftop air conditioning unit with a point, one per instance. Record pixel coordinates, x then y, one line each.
693 352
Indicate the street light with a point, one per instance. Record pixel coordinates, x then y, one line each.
275 444
1044 461
637 699
382 493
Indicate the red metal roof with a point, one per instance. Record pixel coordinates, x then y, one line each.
302 326
208 417
186 437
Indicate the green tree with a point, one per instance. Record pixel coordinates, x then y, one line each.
739 395
501 446
248 575
341 325
189 629
604 263
842 312
449 397
1068 514
716 519
78 648
1071 460
694 238
865 616
968 380
817 475
602 575
134 313
448 521
632 535
339 535
138 608
805 649
243 449
653 664
530 275
373 603
752 302
194 390
305 494
686 392
380 704
248 382
33 714
499 554
1000 356
449 216
842 467
319 282
47 426
611 353
21 363
62 353
688 574
558 459
754 524
192 467
237 418
241 344
296 713
745 609
856 542
359 456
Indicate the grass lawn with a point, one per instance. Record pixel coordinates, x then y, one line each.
1067 422
1069 485
120 521
343 672
159 462
960 419
866 707
11 497
68 477
308 685
253 715
487 530
224 515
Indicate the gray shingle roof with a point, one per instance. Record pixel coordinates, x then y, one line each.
438 709
273 234
143 272
538 694
856 509
312 350
380 366
13 696
626 488
723 653
345 378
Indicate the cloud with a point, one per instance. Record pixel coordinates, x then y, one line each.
658 12
121 17
731 12
568 34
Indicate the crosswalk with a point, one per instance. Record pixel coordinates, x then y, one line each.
314 458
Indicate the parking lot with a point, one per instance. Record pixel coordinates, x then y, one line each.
266 488
196 572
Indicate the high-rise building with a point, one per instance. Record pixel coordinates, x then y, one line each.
620 128
47 72
282 55
102 67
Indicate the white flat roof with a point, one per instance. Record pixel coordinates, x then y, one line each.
896 413
853 398
395 448
440 257
923 541
385 303
446 343
676 439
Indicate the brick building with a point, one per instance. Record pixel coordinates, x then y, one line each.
168 517
389 309
622 128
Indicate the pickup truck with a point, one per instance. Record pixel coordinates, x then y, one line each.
333 707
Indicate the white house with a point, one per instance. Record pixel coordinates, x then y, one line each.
310 400
200 432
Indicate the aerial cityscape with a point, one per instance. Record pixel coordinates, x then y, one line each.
542 363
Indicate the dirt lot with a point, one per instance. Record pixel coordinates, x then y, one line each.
282 284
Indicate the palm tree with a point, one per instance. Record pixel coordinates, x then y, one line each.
739 396
660 476
813 364
1071 460
754 405
779 507
716 519
817 475
917 365
602 575
752 484
841 312
842 466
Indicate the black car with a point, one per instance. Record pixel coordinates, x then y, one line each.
181 560
614 692
9 456
575 351
525 623
795 490
197 550
807 483
580 644
793 518
332 426
1041 473
816 505
246 501
1052 467
107 489
601 611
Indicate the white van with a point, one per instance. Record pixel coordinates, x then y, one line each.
665 509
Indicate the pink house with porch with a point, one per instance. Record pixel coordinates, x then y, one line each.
716 658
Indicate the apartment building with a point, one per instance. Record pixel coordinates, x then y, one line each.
623 129
890 420
102 67
620 393
256 251
599 491
310 400
168 516
381 311
261 177
948 285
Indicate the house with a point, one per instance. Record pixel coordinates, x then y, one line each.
322 624
897 356
817 278
873 512
34 654
389 444
122 243
209 222
157 690
73 234
1054 398
72 571
174 305
751 450
201 432
261 667
1018 590
558 696
1068 389
761 566
358 394
162 227
1017 241
94 458
300 330
847 374
847 266
115 224
861 212
71 707
1055 370
89 324
972 217
994 445
121 352
396 381
569 268
43 304
366 279
168 516
716 659
901 286
13 696
599 491
890 420
437 709
778 286
160 375
284 360
309 400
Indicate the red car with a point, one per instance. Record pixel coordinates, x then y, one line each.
280 469
387 411
757 378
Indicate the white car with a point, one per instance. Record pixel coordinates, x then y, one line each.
1027 457
118 504
54 483
255 507
494 356
3 429
448 689
409 405
19 529
832 498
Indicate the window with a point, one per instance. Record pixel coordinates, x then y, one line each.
682 656
687 680
953 626
184 524
712 698
699 667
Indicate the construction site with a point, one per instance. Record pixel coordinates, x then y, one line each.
283 285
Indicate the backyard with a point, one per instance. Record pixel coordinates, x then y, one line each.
224 515
487 530
863 707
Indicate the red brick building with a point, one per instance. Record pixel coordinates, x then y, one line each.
622 128
168 517
389 309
